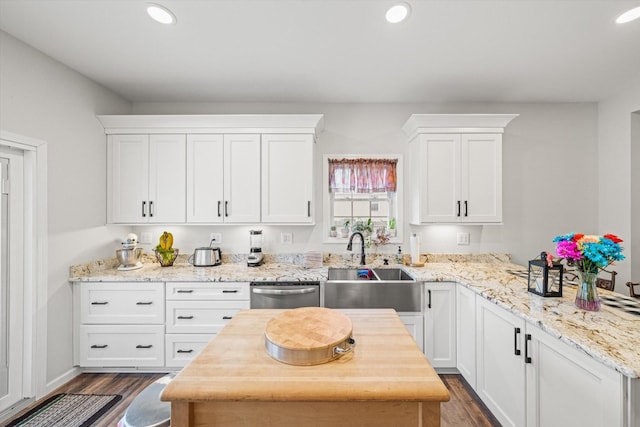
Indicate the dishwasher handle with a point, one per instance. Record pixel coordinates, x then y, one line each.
296 291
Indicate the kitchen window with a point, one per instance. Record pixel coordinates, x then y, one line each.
362 194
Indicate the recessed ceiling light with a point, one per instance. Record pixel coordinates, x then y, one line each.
629 15
160 14
398 13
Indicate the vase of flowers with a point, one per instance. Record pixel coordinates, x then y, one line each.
589 254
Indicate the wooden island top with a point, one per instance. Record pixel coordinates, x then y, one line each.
385 381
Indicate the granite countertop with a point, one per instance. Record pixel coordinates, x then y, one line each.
609 335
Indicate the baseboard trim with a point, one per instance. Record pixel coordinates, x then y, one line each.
62 380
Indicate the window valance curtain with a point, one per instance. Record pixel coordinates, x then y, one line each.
362 175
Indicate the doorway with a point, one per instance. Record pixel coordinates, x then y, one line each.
12 308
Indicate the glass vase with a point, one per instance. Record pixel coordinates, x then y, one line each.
587 297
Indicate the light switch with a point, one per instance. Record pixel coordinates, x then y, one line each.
145 238
286 238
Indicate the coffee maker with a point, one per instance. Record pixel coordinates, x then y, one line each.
255 257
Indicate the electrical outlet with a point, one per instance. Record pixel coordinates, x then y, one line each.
145 238
215 238
463 238
286 238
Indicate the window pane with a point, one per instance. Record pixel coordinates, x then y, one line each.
361 208
342 208
380 208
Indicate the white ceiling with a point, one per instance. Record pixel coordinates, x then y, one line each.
339 50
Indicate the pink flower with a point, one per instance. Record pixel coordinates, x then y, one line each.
568 249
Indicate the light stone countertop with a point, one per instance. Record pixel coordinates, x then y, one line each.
609 336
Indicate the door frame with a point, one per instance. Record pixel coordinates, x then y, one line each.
35 260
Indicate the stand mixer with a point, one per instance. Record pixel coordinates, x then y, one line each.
129 255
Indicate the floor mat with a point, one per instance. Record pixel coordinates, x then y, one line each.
67 410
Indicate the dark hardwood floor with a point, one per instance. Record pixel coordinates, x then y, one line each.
464 408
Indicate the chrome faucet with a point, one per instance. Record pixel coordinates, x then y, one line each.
350 246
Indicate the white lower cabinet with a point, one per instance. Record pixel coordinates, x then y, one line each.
414 324
500 363
440 324
526 377
466 333
568 388
196 312
181 348
119 324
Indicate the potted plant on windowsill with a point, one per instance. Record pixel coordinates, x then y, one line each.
344 231
333 232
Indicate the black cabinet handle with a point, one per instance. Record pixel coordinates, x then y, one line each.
151 208
185 317
185 351
99 302
185 291
226 208
99 346
516 350
219 203
458 202
144 346
144 303
429 303
229 291
144 209
309 208
466 210
527 358
227 317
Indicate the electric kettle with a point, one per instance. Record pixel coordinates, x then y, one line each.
206 257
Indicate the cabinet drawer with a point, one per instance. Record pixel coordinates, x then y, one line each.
208 290
204 317
181 348
122 303
121 345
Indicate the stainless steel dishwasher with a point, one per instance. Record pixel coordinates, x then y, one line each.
281 294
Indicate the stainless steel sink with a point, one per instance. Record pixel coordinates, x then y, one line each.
372 288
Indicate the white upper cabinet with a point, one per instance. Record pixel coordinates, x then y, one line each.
223 178
146 182
241 178
208 169
287 179
456 167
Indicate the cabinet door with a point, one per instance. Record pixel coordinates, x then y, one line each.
500 358
414 324
167 178
122 303
481 178
568 388
436 170
121 345
466 334
180 349
205 178
287 178
440 324
128 178
241 179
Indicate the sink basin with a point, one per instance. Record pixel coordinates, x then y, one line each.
393 274
349 274
386 288
367 274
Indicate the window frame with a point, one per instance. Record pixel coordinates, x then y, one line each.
399 201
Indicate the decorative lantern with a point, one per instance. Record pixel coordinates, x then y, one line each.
543 279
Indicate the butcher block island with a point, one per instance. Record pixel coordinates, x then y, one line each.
384 381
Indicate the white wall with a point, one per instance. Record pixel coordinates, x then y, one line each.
43 99
547 155
615 162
